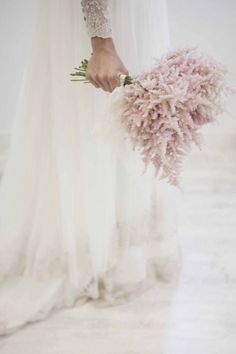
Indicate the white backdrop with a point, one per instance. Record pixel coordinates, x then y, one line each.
207 23
16 24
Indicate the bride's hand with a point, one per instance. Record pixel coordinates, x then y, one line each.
105 65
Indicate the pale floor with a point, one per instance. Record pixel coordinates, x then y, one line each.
199 317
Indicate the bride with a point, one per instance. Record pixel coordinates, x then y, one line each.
77 222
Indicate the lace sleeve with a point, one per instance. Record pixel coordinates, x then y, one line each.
96 15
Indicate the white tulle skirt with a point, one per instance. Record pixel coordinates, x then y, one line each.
78 222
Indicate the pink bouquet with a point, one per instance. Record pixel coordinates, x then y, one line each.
162 110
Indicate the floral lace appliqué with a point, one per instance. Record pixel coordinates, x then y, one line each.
96 15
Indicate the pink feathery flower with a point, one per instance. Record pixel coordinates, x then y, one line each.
163 109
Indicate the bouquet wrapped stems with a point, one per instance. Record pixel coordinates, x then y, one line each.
79 74
163 109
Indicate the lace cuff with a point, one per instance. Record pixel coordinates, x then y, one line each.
96 15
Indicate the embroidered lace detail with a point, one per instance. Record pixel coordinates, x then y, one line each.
96 15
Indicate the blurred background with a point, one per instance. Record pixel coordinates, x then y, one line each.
203 312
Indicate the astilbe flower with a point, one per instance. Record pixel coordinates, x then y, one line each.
163 109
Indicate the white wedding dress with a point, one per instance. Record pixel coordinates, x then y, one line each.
77 222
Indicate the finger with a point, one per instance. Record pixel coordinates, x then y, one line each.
100 81
111 81
103 83
115 81
106 86
109 84
92 80
95 84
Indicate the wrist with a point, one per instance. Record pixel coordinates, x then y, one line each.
99 43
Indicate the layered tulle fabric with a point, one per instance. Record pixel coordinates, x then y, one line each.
77 221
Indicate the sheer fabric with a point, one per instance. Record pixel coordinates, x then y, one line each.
76 221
